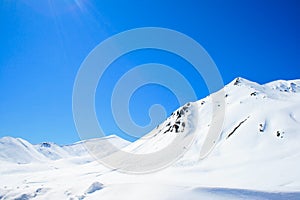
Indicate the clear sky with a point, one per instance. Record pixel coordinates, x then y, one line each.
43 44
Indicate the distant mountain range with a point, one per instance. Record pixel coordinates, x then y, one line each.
17 150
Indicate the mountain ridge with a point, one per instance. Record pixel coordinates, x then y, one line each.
21 151
272 90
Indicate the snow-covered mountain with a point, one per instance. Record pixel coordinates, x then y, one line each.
257 155
17 150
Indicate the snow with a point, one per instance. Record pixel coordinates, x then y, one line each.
257 155
17 150
94 187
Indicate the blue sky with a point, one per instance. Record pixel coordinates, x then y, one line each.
43 44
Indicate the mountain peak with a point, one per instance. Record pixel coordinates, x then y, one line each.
285 86
242 81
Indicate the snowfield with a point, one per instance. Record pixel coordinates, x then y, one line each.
257 155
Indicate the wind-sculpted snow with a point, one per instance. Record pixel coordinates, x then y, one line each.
257 155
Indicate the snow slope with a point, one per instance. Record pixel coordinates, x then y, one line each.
19 151
257 155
